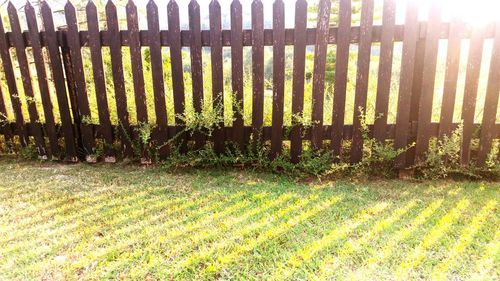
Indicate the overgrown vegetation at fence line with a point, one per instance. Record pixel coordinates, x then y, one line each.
345 89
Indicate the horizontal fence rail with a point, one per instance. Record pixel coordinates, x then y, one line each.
53 66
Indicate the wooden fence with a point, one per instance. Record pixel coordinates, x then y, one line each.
416 82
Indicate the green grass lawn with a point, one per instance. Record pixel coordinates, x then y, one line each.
128 222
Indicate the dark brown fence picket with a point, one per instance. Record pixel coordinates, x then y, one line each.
237 71
428 82
22 59
299 58
415 98
341 72
52 44
99 81
257 70
384 71
406 82
196 65
363 66
322 30
157 75
11 84
136 62
278 77
470 92
451 77
50 126
73 39
115 50
490 102
217 77
174 38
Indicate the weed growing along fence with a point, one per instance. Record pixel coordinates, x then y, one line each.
200 117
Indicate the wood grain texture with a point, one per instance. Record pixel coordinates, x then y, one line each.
363 71
217 76
12 87
470 92
299 57
79 80
406 82
196 65
26 79
428 83
257 69
278 77
341 72
43 86
385 70
237 72
318 87
99 80
56 66
158 82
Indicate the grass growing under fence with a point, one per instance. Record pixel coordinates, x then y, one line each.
95 222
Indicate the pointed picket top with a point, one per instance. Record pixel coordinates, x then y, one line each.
256 2
151 5
110 6
91 7
27 6
235 4
172 4
214 4
193 4
11 8
69 10
130 5
45 8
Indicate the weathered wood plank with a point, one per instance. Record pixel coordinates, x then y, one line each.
56 67
406 82
341 72
278 77
299 58
363 66
136 62
174 34
196 65
99 81
385 69
137 71
322 28
451 76
237 71
79 76
115 51
157 76
257 70
217 76
26 79
42 80
428 83
11 84
470 92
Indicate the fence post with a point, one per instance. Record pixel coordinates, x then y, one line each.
70 81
